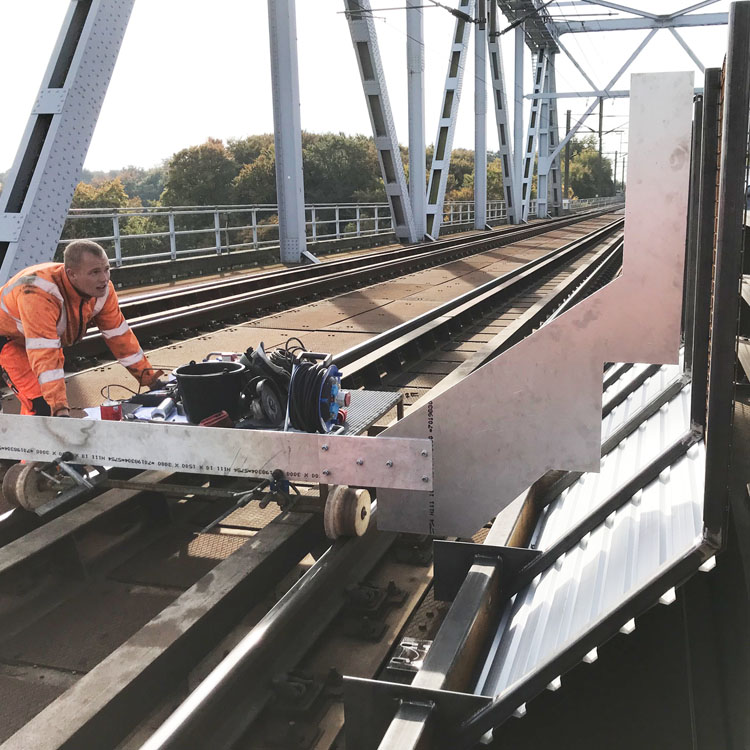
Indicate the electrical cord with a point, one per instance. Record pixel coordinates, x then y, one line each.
304 396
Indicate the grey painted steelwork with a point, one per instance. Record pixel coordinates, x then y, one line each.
367 52
532 134
290 189
554 140
548 182
417 144
500 107
628 24
538 27
480 117
518 121
441 157
48 165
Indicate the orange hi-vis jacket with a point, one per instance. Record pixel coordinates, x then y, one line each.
41 309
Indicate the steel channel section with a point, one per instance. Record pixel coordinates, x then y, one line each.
500 107
367 52
705 245
451 660
441 157
225 703
691 257
728 273
480 117
532 134
290 190
417 145
48 165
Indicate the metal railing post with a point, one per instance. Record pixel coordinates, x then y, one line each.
254 220
357 216
338 229
118 243
217 230
313 224
172 238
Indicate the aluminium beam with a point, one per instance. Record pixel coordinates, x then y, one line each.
500 106
441 157
367 52
49 161
632 24
290 187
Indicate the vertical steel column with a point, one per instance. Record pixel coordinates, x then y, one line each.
705 245
365 41
518 124
417 145
554 140
728 273
688 295
544 150
290 188
480 117
500 105
441 157
530 147
48 164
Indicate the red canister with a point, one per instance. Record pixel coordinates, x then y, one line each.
111 410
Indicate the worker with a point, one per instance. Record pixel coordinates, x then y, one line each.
48 306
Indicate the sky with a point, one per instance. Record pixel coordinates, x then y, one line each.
189 70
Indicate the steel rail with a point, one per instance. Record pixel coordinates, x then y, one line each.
184 310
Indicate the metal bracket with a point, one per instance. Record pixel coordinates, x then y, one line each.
50 102
452 561
309 257
11 226
370 705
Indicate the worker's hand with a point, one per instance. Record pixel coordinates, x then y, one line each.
64 412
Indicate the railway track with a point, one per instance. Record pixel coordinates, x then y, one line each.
159 597
178 312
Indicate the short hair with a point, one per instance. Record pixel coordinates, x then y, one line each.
74 252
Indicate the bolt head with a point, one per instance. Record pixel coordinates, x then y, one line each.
326 472
324 447
425 479
360 461
424 453
389 463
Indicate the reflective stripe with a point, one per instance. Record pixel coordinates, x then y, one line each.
43 343
49 287
132 359
50 375
19 325
122 328
100 303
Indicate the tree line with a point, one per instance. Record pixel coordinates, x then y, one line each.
337 168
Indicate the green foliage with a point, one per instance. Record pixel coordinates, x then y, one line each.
256 182
590 174
200 176
247 150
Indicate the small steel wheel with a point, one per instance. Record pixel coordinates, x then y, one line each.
24 487
347 512
5 506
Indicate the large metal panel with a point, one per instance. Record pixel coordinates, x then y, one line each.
538 406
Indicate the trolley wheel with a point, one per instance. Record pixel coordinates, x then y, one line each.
347 512
5 506
24 487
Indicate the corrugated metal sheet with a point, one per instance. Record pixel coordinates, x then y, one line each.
633 547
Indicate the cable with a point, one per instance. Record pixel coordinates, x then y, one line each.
305 390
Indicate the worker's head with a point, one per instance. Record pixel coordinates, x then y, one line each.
87 267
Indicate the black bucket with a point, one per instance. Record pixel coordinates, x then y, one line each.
210 387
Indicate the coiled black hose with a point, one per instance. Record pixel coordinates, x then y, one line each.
304 397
